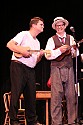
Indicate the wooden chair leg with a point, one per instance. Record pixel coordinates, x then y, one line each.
7 119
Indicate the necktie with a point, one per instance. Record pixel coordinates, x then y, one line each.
62 40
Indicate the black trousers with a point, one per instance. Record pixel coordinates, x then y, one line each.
23 81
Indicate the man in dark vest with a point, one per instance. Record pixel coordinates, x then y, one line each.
62 73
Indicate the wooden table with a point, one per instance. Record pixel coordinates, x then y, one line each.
43 95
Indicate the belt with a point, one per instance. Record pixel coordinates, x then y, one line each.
16 61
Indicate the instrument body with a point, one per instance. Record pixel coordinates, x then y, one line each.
68 51
19 55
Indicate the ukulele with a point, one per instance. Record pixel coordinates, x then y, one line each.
19 55
68 51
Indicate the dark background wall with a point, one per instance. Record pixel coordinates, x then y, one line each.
15 17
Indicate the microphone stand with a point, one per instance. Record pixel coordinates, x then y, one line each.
77 83
76 77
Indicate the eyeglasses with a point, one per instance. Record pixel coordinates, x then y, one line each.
60 25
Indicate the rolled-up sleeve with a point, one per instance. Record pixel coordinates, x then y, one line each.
54 52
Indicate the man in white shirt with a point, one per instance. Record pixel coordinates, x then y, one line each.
26 54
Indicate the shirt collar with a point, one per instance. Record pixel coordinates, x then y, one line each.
61 36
